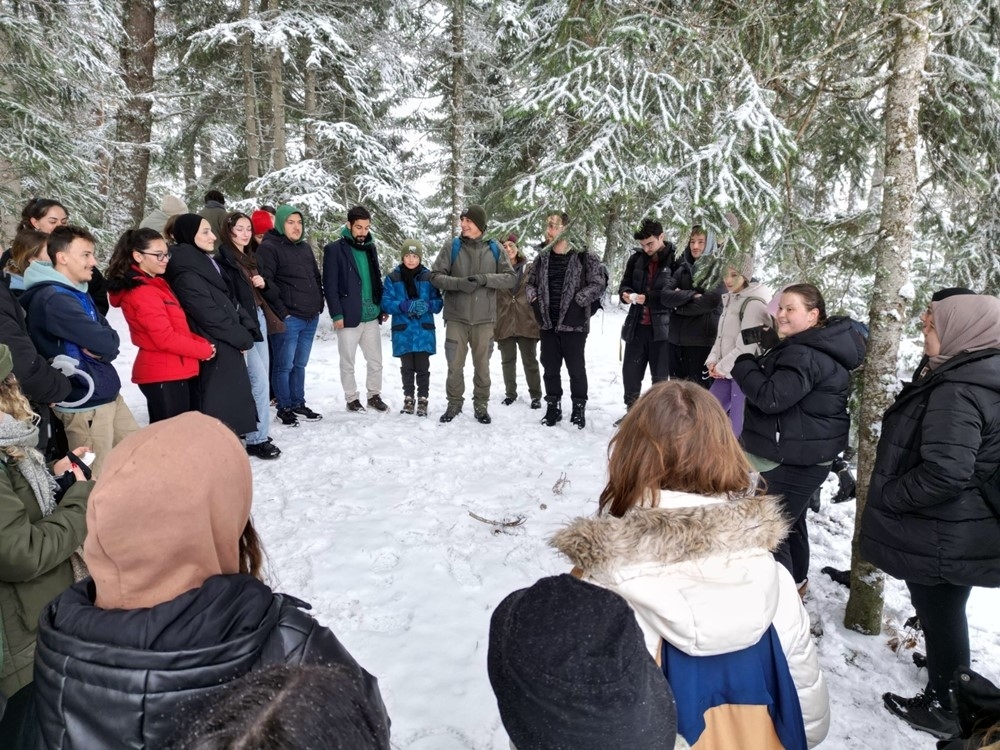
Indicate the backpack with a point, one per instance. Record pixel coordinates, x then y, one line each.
456 246
747 301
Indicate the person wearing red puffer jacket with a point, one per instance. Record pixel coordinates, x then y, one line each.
169 352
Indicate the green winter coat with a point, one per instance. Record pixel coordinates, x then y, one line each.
475 258
34 565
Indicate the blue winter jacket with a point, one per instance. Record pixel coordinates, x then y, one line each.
411 334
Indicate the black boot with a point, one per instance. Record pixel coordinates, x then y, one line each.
579 417
553 413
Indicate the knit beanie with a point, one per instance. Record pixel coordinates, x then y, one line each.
261 221
281 216
416 247
6 361
743 264
171 205
477 215
951 291
570 671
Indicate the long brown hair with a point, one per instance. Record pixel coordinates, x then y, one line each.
28 244
251 552
676 437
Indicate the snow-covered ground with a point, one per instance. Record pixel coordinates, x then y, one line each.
367 516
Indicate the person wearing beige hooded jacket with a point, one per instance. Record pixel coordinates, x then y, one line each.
175 607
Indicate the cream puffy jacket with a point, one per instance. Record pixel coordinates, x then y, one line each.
699 573
729 339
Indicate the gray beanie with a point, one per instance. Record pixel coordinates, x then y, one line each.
743 264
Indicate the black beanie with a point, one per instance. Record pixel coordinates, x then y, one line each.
951 291
477 215
570 671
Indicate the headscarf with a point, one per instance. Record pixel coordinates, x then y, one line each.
965 323
186 227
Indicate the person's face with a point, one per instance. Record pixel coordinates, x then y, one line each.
553 227
359 229
204 240
733 280
511 249
697 245
793 315
932 343
652 245
241 233
77 261
469 229
411 260
54 217
293 227
153 260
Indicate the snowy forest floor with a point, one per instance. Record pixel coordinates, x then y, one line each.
367 516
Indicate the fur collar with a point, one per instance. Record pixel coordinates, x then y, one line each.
673 535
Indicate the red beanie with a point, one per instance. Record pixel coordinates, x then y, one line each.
262 221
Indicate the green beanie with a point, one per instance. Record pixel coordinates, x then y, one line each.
6 361
477 215
416 247
281 216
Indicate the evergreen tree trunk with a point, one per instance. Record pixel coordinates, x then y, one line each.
888 308
130 164
249 100
311 109
278 153
457 109
612 220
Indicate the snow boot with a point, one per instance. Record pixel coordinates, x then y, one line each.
579 416
925 713
553 413
407 405
451 412
422 406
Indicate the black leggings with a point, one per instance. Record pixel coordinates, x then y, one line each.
168 399
795 485
941 610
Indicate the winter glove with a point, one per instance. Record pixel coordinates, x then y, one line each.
468 285
418 307
405 305
480 279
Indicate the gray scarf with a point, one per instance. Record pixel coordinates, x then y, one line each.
14 433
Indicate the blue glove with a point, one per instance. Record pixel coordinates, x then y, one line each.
405 305
418 307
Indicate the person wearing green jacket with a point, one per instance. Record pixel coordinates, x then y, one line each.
37 538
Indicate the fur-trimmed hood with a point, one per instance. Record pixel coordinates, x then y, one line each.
697 571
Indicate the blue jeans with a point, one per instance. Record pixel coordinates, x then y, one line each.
291 355
257 368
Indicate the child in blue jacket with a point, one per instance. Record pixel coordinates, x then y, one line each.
412 302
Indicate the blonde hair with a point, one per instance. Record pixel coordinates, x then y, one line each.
13 402
28 244
676 437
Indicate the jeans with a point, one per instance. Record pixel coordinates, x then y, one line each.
291 355
795 484
258 368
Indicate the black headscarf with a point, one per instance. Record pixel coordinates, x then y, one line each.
186 227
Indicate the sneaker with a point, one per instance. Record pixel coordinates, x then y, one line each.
509 400
266 450
307 414
924 713
451 412
483 416
287 417
355 405
536 403
375 402
422 406
407 405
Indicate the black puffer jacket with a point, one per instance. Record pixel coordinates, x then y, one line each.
925 520
291 267
796 394
129 678
635 279
39 381
696 311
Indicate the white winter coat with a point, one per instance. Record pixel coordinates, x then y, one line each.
699 573
729 338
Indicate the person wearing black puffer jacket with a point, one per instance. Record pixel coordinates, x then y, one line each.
795 419
647 273
932 517
175 608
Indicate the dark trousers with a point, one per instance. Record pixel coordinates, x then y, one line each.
19 726
688 363
941 610
795 485
416 366
642 351
568 347
166 400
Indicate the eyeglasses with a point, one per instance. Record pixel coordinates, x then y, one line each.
159 256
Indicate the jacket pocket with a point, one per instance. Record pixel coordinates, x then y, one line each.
576 316
400 327
428 326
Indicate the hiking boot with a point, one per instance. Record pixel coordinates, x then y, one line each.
407 405
924 713
553 414
375 402
422 406
816 500
287 417
266 450
579 416
482 416
536 403
307 414
451 412
509 400
848 486
355 405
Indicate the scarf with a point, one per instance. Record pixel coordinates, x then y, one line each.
18 434
965 323
409 278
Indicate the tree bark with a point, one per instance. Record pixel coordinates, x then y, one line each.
311 109
888 308
457 109
130 164
249 99
278 153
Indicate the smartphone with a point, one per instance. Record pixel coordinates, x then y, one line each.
88 457
765 336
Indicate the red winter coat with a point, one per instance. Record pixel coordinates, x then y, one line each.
168 350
